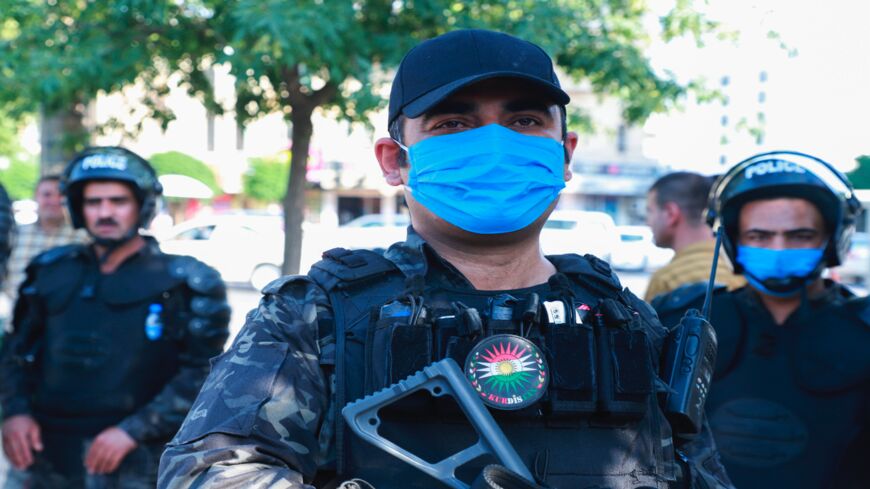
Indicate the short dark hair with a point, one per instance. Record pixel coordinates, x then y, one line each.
51 177
398 125
688 190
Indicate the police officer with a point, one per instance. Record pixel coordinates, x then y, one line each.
789 401
478 139
111 340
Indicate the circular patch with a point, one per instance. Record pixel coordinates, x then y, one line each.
758 433
508 371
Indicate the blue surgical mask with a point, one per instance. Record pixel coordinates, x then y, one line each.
488 180
781 273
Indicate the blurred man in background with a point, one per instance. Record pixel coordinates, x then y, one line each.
675 207
110 341
50 229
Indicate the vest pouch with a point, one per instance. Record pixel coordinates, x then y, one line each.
458 348
573 382
398 349
631 379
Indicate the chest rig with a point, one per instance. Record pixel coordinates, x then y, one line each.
597 421
786 399
95 363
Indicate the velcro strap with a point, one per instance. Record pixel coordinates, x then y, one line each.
614 313
345 257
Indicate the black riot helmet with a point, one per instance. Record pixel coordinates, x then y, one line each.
111 163
786 174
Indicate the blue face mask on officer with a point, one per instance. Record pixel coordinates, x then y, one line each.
780 273
488 180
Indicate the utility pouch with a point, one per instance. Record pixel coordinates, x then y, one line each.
456 332
625 368
401 343
571 352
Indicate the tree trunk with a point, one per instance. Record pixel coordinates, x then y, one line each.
61 133
294 199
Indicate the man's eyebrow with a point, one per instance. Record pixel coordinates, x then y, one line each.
449 107
529 104
787 231
115 198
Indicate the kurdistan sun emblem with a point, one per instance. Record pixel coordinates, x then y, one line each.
507 371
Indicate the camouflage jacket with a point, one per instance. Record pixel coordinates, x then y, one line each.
171 365
264 417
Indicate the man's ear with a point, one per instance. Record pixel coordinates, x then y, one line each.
672 212
389 155
570 144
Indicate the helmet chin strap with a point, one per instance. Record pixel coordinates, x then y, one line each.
112 244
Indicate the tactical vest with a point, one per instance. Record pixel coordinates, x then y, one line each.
96 364
787 401
598 425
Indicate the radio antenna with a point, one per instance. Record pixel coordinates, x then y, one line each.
709 297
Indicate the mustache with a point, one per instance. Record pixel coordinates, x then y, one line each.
107 221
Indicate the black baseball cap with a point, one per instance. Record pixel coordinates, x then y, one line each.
436 68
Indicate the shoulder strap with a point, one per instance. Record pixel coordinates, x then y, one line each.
348 277
342 268
591 271
59 253
681 298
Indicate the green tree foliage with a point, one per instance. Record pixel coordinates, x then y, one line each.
18 170
9 145
266 180
56 55
860 176
20 178
296 57
178 163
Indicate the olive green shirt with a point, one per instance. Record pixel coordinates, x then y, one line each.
692 265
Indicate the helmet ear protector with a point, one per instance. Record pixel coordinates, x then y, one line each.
786 174
111 163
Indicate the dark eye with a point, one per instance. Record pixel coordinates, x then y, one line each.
451 124
526 122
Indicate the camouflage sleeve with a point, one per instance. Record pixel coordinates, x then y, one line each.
204 324
699 458
258 416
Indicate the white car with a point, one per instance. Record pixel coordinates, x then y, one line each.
365 232
636 250
243 248
581 232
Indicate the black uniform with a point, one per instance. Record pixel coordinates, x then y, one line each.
789 404
7 224
92 350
